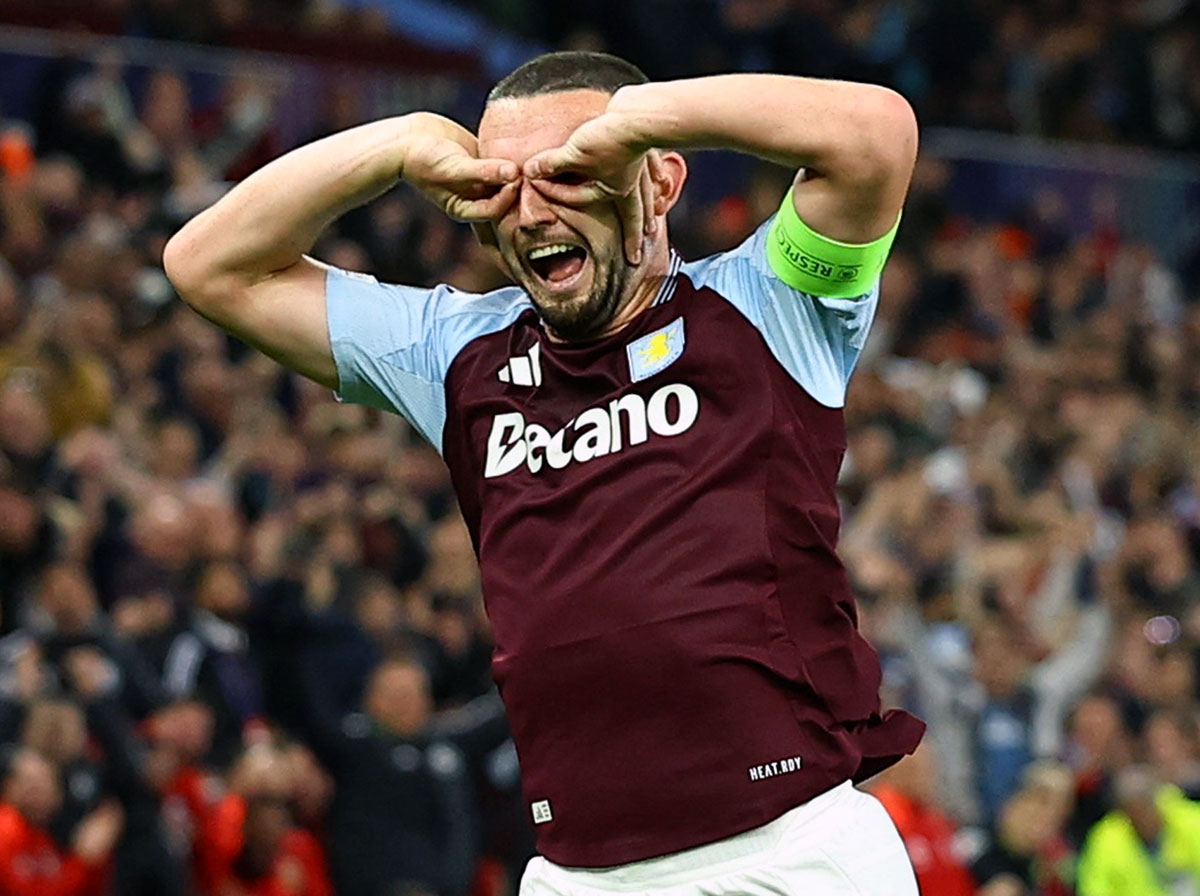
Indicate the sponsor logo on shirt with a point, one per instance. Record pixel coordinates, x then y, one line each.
597 432
541 812
779 767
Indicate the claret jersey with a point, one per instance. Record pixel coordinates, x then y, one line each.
655 518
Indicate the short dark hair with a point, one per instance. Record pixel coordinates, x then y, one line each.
568 70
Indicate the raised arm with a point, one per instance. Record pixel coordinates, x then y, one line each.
855 144
242 263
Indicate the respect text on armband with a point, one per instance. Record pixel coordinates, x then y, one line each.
813 265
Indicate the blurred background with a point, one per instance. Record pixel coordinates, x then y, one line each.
242 649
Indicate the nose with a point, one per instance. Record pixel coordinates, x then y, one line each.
533 209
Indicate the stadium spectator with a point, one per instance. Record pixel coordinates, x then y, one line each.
908 791
143 772
67 616
211 662
1100 744
22 679
1029 853
1149 845
57 730
404 810
1172 739
249 842
991 725
1102 71
461 655
31 862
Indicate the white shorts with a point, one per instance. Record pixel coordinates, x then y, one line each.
841 843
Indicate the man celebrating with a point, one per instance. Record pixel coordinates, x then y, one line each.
645 450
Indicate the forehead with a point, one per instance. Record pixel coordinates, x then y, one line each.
516 129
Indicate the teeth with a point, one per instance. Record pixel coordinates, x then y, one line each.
547 251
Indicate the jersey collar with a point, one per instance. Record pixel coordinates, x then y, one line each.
666 291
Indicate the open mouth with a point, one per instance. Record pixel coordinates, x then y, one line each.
558 264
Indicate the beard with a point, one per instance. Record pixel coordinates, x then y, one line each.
585 316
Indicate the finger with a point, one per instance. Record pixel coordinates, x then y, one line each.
494 207
576 194
498 171
488 208
550 162
632 225
461 170
490 172
654 167
646 185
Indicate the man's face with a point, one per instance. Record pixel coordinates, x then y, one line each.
398 698
32 788
580 290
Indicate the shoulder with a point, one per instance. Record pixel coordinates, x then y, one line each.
395 318
1174 803
447 299
11 824
1109 837
816 338
732 270
477 314
302 843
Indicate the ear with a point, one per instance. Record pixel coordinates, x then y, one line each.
669 172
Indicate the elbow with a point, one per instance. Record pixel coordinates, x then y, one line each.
890 128
903 128
183 264
194 273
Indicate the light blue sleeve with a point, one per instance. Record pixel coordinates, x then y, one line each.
817 340
393 345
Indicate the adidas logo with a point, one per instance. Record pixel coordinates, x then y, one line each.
523 370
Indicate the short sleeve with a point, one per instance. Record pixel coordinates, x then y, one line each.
393 345
817 340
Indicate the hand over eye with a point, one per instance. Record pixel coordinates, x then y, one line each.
463 186
442 162
597 163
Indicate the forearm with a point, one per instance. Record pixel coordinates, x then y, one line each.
833 127
269 221
859 140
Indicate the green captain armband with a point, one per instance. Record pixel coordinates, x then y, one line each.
819 266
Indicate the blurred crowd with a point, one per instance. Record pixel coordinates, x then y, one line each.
1123 71
242 649
1022 529
1110 70
242 645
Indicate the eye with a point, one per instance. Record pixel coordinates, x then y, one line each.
568 179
